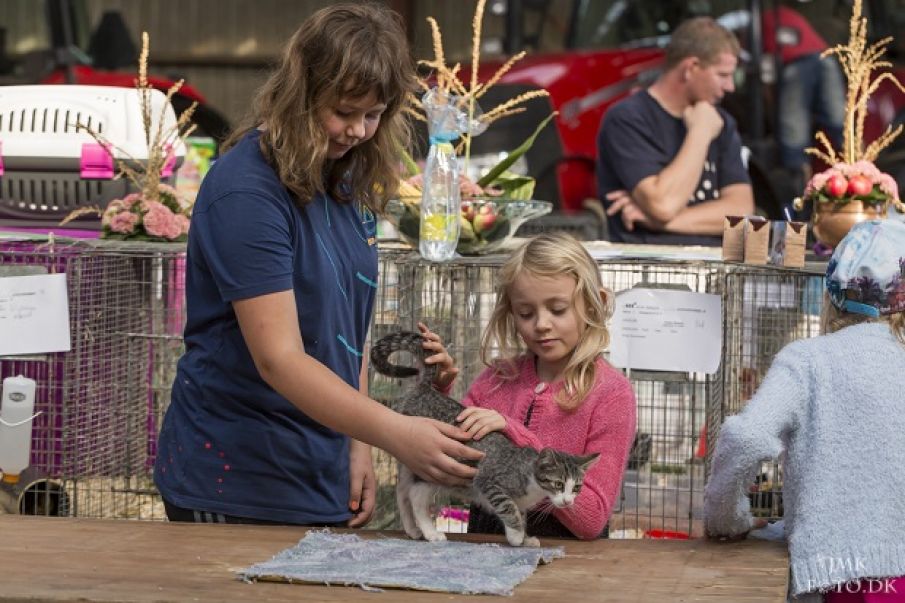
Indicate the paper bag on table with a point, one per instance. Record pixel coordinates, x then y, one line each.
757 240
734 239
788 246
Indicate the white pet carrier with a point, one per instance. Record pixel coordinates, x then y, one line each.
49 167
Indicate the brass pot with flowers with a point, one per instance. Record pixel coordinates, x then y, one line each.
853 189
489 210
846 194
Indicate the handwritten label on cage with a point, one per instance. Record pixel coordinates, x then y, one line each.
666 330
34 314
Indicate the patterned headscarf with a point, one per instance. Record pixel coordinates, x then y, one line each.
866 274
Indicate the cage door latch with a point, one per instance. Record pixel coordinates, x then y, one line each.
96 162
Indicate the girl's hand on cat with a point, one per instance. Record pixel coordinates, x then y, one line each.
429 448
362 484
480 421
446 365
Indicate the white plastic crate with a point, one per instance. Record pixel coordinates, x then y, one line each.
49 166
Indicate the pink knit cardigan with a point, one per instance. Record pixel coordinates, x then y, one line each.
604 422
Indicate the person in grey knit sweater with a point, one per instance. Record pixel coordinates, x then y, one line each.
834 408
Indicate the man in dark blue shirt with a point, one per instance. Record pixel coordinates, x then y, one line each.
670 161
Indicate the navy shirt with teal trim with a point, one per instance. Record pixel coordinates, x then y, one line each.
229 443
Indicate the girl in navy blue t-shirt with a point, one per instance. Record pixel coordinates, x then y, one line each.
270 419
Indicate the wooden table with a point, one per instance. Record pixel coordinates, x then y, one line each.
60 559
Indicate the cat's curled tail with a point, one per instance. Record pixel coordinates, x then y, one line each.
402 341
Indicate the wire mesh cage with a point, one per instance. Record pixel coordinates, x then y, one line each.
101 403
678 413
662 490
764 309
385 319
663 487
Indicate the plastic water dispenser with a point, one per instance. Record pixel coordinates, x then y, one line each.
17 406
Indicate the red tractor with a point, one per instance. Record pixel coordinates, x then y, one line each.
589 55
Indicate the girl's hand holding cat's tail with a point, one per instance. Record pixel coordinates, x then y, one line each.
480 421
429 448
446 365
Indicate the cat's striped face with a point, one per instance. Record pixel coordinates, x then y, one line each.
563 493
561 475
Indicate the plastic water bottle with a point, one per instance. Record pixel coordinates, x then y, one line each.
440 204
17 405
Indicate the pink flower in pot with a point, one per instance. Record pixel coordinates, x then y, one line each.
123 222
160 221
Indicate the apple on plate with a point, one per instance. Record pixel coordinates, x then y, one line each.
468 210
484 219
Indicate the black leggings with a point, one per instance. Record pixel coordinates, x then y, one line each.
175 513
542 525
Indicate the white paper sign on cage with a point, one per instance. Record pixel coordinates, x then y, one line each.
34 314
666 330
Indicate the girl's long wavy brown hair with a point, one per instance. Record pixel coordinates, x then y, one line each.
551 255
341 51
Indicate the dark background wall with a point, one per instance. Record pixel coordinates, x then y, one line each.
224 47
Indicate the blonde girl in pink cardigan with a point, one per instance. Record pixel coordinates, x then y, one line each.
546 383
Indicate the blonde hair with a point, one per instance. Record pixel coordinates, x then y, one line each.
833 319
341 51
552 255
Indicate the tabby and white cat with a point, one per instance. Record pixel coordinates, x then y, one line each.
509 480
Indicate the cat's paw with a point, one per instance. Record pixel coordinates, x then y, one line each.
414 532
531 541
435 536
514 537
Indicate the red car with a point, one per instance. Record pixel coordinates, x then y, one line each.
589 55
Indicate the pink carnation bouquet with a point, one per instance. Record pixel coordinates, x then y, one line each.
136 218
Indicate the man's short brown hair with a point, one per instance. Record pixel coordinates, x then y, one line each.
703 38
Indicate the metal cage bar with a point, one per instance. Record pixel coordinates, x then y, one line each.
678 413
95 442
